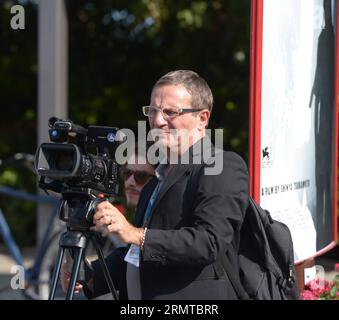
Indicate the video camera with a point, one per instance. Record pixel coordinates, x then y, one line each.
78 164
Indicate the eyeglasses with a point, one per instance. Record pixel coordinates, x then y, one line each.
140 177
167 112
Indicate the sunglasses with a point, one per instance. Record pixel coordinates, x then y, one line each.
140 177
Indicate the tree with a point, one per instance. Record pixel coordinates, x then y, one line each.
117 50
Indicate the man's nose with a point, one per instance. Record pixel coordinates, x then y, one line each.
130 181
158 119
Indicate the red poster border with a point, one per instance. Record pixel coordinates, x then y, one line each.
255 97
255 112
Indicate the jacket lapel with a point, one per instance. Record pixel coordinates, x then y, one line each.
175 173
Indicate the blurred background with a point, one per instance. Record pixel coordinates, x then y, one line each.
116 51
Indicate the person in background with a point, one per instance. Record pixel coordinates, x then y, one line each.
135 174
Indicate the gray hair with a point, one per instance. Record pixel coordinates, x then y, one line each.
197 87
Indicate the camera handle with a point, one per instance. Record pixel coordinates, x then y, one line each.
77 241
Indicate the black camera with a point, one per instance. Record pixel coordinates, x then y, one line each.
79 163
72 163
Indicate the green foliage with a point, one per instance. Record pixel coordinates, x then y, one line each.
126 47
18 96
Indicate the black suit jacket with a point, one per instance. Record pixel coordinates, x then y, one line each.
195 218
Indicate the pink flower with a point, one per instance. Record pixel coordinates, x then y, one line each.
308 295
327 290
317 285
336 267
321 289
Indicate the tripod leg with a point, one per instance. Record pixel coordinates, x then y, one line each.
56 272
104 268
75 271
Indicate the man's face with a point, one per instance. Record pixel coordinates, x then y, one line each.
140 174
174 96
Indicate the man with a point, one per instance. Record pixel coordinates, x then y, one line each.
135 174
185 218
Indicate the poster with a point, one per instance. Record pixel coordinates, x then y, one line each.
298 117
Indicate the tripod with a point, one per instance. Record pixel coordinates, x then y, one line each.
77 210
77 241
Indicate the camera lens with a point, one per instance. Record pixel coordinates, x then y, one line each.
64 161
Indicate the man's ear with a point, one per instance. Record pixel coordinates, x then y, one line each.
203 116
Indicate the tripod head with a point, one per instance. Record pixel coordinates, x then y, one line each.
78 206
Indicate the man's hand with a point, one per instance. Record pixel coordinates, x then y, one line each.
108 219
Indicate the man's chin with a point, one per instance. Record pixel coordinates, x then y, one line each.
163 144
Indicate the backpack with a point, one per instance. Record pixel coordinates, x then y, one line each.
265 258
262 267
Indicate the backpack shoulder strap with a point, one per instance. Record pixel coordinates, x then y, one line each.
261 217
232 273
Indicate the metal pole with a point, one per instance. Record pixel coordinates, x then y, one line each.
53 75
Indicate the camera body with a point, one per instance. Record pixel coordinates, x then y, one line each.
72 163
79 164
